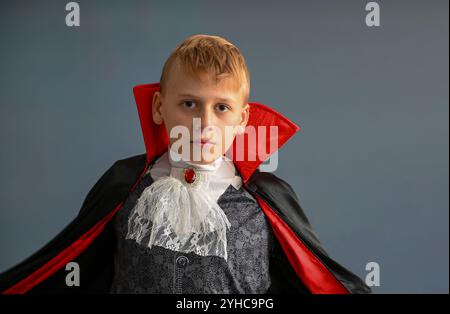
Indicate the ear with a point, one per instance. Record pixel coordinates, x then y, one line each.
156 108
244 119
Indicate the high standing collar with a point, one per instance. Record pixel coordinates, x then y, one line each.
156 140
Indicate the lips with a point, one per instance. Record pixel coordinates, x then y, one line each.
203 142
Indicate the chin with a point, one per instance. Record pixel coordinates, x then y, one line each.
204 161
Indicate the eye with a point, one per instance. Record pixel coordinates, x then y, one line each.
189 104
223 107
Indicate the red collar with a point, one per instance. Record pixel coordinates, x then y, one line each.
156 140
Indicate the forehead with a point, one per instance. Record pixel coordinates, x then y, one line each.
203 85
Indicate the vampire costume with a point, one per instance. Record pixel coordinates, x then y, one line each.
124 242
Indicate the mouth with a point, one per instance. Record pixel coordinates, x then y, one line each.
203 142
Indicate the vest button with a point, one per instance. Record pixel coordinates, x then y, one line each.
182 261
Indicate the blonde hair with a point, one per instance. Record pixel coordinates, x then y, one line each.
199 54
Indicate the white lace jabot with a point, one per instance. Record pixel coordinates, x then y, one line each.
179 211
221 172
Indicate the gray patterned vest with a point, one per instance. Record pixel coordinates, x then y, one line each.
250 242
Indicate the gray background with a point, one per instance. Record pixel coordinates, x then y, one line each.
370 163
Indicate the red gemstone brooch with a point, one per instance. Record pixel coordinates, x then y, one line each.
191 176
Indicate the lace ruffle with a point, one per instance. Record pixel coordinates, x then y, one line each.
172 214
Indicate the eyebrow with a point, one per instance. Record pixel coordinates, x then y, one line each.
196 97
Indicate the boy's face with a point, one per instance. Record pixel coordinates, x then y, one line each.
219 108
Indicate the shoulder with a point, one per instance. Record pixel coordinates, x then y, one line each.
115 183
271 185
122 172
131 162
284 200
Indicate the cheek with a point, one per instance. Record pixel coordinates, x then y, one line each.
229 133
227 137
176 118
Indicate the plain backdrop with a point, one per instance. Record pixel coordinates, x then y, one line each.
370 164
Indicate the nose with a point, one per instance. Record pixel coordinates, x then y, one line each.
207 117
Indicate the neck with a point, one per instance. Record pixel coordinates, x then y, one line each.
177 161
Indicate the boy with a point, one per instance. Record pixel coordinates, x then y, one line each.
188 216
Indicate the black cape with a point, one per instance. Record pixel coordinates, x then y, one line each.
97 260
299 264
